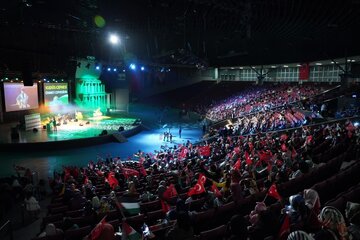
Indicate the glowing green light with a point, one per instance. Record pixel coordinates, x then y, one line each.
99 21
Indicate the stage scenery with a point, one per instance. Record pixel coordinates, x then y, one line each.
179 120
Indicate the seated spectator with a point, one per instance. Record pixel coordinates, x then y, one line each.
299 235
353 216
50 230
237 228
182 229
68 224
32 205
334 227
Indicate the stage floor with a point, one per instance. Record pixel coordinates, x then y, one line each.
70 131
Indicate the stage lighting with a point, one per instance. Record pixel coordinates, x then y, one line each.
132 66
97 68
124 70
142 68
115 70
109 69
114 39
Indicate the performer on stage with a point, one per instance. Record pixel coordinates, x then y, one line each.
54 124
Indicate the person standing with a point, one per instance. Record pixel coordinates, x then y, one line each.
180 130
54 124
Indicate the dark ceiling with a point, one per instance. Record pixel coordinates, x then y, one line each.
220 32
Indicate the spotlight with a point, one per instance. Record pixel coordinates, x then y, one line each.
124 70
109 69
142 68
115 69
97 67
132 66
114 39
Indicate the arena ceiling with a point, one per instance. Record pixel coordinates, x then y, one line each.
217 32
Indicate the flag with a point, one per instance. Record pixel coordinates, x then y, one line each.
237 150
96 232
183 153
197 189
170 192
164 206
273 192
304 71
237 165
142 170
202 178
285 228
86 180
130 172
113 182
130 205
128 233
215 190
247 158
204 151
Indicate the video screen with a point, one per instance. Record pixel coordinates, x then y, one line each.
19 97
56 94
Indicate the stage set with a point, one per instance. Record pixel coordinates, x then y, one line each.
66 113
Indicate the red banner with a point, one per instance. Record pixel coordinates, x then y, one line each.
304 71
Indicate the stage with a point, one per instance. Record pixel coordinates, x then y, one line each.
74 133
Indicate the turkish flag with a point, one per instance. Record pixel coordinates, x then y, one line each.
197 189
285 228
202 178
304 71
215 190
130 172
170 192
237 165
248 159
273 192
205 151
96 232
113 182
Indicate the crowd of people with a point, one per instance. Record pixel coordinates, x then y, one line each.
227 170
257 99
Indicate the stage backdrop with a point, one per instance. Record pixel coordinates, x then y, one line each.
18 97
56 94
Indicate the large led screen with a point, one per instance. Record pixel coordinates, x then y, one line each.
56 94
19 97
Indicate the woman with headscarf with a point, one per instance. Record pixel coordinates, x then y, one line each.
299 235
333 225
312 202
352 214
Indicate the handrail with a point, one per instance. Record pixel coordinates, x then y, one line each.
7 228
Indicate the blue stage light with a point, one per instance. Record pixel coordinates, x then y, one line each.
142 68
132 66
115 69
97 67
109 69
